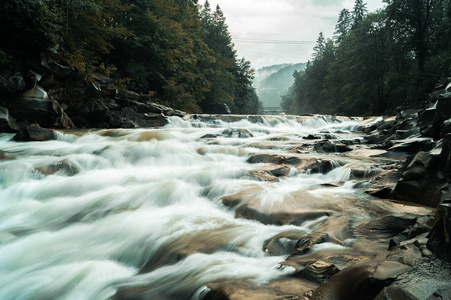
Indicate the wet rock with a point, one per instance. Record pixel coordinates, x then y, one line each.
384 184
7 122
280 171
312 137
279 217
428 125
329 147
419 182
407 114
318 271
256 119
205 241
35 133
6 156
154 108
284 243
144 120
307 242
395 293
364 280
278 139
439 238
300 163
446 128
237 133
422 225
323 167
413 145
364 172
266 158
282 289
441 294
432 120
263 175
209 136
293 160
62 166
249 205
385 227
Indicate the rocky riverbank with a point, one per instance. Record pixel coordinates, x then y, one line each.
57 96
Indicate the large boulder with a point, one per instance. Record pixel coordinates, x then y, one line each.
34 106
439 239
419 182
363 280
34 132
7 122
15 82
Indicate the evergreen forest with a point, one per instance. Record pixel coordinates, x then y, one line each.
179 50
376 62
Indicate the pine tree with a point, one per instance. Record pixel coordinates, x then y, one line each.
319 47
358 13
343 25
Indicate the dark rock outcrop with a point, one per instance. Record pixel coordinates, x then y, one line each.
63 97
419 182
439 239
7 122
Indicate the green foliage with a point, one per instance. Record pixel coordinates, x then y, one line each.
358 13
343 25
174 47
389 58
28 28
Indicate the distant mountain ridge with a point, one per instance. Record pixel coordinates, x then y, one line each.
272 82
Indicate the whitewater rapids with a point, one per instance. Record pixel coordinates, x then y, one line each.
83 215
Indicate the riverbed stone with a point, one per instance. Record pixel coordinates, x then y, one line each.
281 289
439 239
284 243
318 271
63 167
236 132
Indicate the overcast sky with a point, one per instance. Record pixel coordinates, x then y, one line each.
281 20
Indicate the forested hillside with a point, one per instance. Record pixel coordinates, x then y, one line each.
376 61
177 48
276 84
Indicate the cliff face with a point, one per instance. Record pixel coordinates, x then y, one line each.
58 96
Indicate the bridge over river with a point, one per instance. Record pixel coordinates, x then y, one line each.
274 110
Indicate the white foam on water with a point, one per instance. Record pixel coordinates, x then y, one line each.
81 215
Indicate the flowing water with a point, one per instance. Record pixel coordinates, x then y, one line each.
97 211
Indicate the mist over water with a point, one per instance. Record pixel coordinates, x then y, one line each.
97 211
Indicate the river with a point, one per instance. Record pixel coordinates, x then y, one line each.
169 211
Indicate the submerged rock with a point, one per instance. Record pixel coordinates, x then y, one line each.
35 133
237 133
